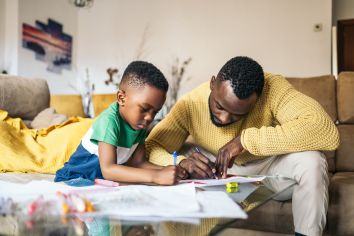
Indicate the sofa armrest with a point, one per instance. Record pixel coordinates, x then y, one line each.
23 98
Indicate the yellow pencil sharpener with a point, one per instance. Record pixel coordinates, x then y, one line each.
232 187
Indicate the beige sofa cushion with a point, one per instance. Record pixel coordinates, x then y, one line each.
345 154
46 118
345 99
23 98
320 88
341 206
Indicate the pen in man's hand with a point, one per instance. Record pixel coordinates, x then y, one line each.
212 169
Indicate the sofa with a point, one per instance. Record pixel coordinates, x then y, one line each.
27 98
337 98
30 100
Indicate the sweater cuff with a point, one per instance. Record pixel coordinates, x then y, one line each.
180 158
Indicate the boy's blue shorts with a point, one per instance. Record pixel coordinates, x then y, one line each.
81 164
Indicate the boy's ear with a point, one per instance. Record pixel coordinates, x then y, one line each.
121 97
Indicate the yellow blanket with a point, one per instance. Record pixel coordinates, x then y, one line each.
44 151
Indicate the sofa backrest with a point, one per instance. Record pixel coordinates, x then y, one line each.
337 98
345 97
345 100
323 90
69 105
320 88
23 98
102 101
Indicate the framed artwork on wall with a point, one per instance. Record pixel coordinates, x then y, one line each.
49 43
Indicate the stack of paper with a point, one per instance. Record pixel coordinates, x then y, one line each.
215 182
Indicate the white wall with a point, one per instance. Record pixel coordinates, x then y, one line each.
278 34
9 37
342 10
66 14
2 34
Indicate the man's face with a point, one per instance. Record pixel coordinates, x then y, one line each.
224 106
139 105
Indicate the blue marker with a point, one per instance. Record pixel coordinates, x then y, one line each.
174 156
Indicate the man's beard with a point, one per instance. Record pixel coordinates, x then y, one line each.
213 118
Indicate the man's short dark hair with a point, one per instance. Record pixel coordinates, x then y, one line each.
140 73
245 75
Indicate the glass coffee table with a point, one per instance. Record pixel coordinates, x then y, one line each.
249 197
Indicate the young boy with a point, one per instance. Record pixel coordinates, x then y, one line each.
113 148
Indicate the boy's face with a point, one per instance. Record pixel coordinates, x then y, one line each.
139 105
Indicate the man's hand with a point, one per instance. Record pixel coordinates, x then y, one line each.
198 166
181 173
227 155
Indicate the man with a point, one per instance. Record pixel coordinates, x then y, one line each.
262 124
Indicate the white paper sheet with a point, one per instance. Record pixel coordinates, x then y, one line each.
215 182
213 204
139 200
244 190
218 204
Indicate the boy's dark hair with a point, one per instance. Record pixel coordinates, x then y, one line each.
139 73
245 75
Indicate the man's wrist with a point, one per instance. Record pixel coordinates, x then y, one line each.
239 145
182 161
180 158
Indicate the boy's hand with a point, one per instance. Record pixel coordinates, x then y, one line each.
166 176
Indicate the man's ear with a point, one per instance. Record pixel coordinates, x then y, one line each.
121 97
212 82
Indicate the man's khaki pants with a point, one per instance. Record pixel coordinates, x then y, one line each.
310 194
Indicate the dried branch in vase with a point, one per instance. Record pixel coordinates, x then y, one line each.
86 89
177 76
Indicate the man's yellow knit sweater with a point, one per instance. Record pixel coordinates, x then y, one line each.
283 120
